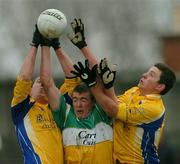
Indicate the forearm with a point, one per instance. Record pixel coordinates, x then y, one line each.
93 60
45 69
53 96
27 69
108 92
107 103
65 62
90 56
111 94
47 80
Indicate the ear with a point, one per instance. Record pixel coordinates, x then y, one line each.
160 87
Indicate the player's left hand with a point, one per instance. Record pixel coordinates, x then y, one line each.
107 73
36 40
55 43
86 74
78 39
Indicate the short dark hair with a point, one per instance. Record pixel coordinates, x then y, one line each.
82 88
167 77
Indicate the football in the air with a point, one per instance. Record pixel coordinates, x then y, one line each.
51 23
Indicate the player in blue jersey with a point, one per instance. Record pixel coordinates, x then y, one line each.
139 112
38 135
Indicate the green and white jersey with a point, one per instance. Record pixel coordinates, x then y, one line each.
89 135
96 128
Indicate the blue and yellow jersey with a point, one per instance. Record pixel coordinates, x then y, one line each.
138 127
37 133
86 141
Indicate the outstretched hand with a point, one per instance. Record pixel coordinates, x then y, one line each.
86 74
36 39
78 39
55 43
39 39
107 73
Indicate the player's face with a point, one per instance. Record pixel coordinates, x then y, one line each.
82 104
148 84
38 93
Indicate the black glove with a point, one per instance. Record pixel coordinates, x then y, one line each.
107 75
36 40
45 41
86 74
55 43
78 39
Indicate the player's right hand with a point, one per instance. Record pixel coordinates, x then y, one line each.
107 73
86 74
38 39
78 39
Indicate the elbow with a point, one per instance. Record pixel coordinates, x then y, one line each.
110 108
25 77
112 112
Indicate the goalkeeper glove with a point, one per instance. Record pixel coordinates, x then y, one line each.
45 41
107 75
78 39
55 43
36 40
86 74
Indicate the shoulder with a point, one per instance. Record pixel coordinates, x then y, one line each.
153 106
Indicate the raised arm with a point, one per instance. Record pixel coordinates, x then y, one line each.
107 103
66 64
106 82
47 80
25 76
27 68
79 41
88 75
107 73
65 61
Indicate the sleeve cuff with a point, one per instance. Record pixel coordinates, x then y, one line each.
122 112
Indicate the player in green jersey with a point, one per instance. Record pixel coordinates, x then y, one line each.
86 128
